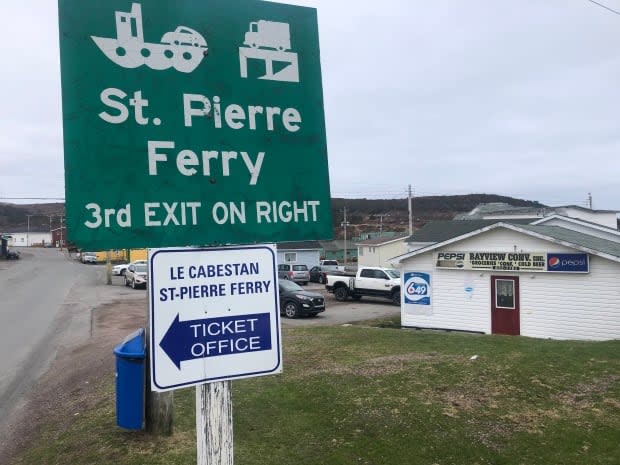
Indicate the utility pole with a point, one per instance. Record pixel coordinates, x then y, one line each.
345 224
28 230
590 200
61 238
381 215
410 213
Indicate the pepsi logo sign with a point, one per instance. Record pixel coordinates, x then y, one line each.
568 262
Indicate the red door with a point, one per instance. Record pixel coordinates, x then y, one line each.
505 317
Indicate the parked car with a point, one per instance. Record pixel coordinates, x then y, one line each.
12 255
317 275
331 266
296 301
136 275
369 281
121 268
88 257
297 273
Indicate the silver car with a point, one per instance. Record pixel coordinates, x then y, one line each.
136 275
291 272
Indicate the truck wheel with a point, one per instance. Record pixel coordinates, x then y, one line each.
291 310
341 293
396 297
322 279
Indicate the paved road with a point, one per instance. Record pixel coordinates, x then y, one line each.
46 300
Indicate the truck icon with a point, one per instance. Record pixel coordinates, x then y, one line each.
268 34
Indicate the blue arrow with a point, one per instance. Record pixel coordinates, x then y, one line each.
212 337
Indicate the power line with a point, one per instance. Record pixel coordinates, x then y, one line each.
604 6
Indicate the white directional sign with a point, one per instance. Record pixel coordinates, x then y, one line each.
214 315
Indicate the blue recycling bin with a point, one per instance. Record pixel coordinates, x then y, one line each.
130 374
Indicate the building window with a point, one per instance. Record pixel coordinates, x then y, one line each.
505 293
290 257
361 251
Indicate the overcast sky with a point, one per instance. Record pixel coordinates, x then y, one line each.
510 97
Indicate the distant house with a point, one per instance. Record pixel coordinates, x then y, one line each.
59 236
505 212
301 252
335 250
379 251
30 239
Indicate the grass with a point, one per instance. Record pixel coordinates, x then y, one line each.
375 395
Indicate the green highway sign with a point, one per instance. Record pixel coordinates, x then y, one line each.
192 122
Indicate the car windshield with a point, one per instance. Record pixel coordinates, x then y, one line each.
140 268
290 286
393 273
300 268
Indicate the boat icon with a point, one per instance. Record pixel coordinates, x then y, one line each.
182 49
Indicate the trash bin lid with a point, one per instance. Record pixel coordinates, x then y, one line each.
132 346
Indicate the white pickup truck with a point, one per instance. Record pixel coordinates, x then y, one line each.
369 281
331 266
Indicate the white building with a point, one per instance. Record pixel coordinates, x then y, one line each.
380 250
530 280
29 239
301 253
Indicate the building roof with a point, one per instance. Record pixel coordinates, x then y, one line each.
500 208
299 245
334 245
575 238
493 208
439 231
383 240
585 209
32 230
556 234
568 219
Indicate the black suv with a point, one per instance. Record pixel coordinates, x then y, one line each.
296 301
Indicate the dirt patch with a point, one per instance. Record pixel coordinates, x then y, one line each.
379 366
72 385
583 395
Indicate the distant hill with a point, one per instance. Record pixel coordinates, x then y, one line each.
14 217
363 215
369 215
